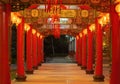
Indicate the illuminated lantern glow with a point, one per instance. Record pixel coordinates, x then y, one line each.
116 1
77 37
117 8
108 17
92 27
15 19
38 34
33 31
104 19
41 36
85 31
100 21
80 35
26 27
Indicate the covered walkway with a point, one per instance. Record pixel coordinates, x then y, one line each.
92 29
62 73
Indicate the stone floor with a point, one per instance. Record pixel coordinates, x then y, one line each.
61 73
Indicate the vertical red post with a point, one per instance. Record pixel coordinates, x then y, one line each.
76 58
80 51
84 52
20 52
29 64
34 49
98 76
1 26
4 57
90 53
115 21
42 48
79 56
39 50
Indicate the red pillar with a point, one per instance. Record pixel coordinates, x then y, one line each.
34 50
79 54
4 57
39 50
115 21
29 64
76 57
80 51
90 53
84 52
20 52
42 48
1 26
98 76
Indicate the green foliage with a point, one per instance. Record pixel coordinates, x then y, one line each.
13 74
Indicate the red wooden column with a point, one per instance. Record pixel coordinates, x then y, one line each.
34 48
84 50
42 48
29 64
4 56
20 52
76 56
80 51
90 53
79 56
115 21
39 49
1 26
98 76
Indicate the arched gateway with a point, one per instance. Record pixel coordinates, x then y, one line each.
94 24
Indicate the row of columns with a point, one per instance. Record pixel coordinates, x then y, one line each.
85 58
84 52
34 48
34 51
98 75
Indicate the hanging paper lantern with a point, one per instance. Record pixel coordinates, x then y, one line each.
55 17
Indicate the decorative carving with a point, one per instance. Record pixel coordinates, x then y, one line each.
84 13
24 0
34 12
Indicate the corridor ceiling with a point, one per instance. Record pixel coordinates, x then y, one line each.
72 17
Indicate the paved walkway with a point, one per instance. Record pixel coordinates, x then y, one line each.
60 73
59 59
